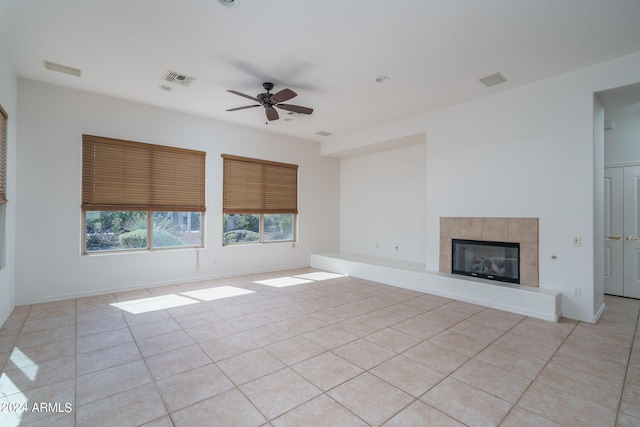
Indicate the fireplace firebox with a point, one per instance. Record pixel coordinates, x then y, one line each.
488 260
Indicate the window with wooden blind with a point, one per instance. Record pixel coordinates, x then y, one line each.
141 196
3 155
259 200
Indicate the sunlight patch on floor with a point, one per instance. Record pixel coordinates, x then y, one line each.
145 305
282 282
21 360
210 294
320 275
299 279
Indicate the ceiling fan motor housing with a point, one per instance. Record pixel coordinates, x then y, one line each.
265 99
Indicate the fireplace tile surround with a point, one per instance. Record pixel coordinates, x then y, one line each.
516 230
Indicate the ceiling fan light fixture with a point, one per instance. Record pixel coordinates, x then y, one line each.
231 4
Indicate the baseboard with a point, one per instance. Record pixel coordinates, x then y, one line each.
152 285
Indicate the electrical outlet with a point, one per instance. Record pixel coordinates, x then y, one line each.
576 291
576 241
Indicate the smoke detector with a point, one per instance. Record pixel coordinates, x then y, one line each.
179 79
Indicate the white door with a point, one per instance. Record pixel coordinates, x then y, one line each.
622 231
631 188
613 231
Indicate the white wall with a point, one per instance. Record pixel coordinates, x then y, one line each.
622 143
8 100
383 203
598 211
49 264
523 152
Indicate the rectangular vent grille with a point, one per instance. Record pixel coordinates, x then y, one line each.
179 79
62 68
493 80
323 133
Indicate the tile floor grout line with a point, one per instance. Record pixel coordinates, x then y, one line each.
626 371
445 375
146 365
377 303
540 372
325 392
550 360
471 358
197 344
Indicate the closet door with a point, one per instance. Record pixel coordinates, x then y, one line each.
631 235
613 231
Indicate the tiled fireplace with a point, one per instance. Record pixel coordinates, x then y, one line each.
513 230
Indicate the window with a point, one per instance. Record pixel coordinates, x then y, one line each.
260 200
141 196
3 155
3 183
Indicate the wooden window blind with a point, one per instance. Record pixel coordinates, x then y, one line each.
3 155
126 175
259 186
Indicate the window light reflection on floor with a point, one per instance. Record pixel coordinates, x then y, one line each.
282 282
145 305
7 387
320 275
22 361
10 393
301 279
12 418
210 294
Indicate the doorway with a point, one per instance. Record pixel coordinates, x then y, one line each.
621 192
622 231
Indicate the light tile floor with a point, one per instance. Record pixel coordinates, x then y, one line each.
308 348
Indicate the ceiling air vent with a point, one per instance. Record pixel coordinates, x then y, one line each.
179 79
62 68
323 133
492 80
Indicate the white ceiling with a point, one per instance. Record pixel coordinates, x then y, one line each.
329 52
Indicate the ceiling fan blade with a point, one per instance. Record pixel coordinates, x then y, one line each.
295 108
271 113
283 95
242 108
242 94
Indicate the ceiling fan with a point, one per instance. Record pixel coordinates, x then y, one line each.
271 100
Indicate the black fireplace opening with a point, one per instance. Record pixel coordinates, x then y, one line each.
488 260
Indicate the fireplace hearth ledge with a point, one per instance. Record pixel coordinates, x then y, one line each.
526 300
